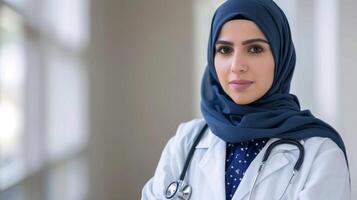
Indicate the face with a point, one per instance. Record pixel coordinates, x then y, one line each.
243 61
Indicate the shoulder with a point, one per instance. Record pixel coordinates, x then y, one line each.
184 137
187 131
325 169
321 145
194 125
172 159
320 151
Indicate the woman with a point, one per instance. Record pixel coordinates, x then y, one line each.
247 106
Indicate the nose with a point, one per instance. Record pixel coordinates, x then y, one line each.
238 64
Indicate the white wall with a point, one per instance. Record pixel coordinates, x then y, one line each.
203 11
141 67
347 69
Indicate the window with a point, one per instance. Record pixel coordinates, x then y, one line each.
43 91
12 78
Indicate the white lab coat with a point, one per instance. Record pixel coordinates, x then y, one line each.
324 173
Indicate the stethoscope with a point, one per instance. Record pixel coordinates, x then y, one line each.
183 192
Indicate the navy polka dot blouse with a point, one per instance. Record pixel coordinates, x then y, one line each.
238 158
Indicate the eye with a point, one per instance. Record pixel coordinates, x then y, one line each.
224 50
255 49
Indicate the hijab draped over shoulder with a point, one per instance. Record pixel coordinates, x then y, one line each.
275 115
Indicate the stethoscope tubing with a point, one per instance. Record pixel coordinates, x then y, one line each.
287 141
297 165
192 151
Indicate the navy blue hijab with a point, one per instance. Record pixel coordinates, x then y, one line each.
275 115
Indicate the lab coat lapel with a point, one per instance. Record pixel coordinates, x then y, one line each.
212 165
276 161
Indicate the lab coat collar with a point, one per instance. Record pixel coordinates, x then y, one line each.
207 140
212 165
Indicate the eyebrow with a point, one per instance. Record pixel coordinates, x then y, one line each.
244 42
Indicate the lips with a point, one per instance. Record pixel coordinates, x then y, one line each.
240 82
240 85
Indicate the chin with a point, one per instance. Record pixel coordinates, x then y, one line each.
243 98
242 101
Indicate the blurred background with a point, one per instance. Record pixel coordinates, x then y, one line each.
91 91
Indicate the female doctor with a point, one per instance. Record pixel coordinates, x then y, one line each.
254 141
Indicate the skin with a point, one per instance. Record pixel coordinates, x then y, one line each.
242 52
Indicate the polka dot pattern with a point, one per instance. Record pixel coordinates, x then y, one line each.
238 158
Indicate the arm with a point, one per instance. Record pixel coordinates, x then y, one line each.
329 176
168 169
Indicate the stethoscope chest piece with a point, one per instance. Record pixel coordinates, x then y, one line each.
174 188
171 190
186 192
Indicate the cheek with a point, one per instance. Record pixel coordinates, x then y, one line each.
267 74
219 67
271 71
222 67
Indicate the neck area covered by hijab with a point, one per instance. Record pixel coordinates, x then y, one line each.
275 115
